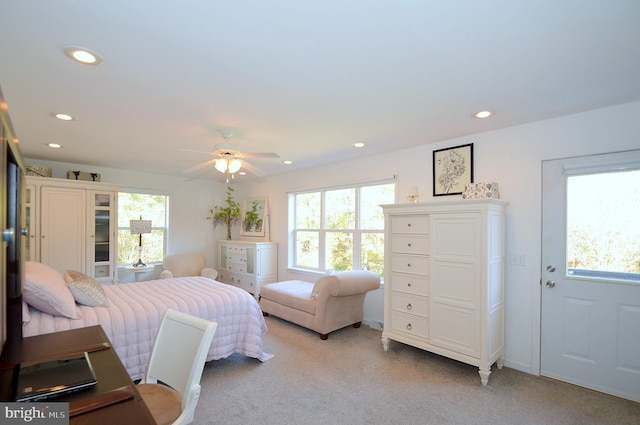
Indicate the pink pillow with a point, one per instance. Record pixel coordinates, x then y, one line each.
45 290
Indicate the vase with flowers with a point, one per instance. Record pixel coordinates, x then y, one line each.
229 214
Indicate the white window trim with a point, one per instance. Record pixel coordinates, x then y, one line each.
164 228
291 254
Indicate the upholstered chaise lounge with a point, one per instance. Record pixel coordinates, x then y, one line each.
332 303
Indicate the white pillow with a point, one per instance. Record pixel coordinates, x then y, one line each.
315 292
45 290
85 289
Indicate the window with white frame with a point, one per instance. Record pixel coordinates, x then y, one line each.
339 228
145 206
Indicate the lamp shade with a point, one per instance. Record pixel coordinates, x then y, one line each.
412 194
221 165
140 226
234 165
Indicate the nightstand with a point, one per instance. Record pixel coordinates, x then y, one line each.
139 270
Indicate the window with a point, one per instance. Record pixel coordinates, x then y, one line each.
339 228
154 207
603 225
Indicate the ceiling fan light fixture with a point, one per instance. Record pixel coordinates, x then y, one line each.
221 165
234 165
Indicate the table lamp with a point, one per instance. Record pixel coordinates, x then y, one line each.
138 227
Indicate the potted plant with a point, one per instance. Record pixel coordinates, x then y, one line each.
228 214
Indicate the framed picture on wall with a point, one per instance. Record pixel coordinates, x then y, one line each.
452 169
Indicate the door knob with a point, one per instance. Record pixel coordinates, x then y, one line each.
550 284
8 234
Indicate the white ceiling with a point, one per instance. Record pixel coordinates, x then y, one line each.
304 79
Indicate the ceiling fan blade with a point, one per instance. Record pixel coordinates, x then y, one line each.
252 169
200 166
195 151
259 155
195 176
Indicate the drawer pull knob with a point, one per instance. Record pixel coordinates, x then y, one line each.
408 326
409 284
409 306
409 244
408 264
408 224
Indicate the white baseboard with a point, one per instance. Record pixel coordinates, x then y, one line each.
373 324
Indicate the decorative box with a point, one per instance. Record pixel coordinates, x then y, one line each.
38 170
82 175
481 190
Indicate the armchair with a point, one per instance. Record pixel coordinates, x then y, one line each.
332 303
186 264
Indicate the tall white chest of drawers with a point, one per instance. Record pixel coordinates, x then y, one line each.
444 279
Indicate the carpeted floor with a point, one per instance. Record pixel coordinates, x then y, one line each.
349 379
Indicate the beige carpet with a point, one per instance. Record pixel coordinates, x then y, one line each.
349 379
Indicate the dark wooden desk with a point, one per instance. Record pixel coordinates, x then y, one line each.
114 400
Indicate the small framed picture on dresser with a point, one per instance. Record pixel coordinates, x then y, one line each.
452 169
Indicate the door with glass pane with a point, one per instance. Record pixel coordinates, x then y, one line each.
590 331
102 232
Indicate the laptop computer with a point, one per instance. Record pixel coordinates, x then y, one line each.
54 377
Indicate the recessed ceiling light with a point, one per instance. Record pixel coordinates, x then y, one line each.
358 145
54 145
65 117
483 114
287 162
82 55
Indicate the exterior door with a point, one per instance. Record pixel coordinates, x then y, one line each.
590 333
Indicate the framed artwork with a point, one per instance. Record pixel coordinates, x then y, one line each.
253 216
452 170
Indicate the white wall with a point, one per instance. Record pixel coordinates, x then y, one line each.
512 157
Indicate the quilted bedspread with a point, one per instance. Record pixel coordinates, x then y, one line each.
135 310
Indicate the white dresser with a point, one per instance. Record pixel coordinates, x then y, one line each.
444 279
247 265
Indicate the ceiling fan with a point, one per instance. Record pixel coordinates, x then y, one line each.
228 160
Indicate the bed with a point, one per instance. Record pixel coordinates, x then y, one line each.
134 311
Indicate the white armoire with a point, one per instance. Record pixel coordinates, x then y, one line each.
444 279
72 225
